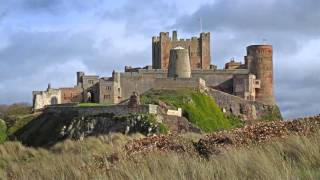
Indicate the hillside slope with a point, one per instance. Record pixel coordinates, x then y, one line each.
199 108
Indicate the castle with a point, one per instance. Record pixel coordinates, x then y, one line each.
176 63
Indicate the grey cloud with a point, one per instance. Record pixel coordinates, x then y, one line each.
287 15
140 16
32 59
288 25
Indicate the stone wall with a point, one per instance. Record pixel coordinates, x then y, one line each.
246 110
141 85
44 98
86 111
70 95
143 80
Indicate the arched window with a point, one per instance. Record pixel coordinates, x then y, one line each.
54 100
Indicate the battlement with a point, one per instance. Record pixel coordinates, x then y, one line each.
198 47
174 37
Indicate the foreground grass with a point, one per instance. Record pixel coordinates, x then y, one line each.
3 131
199 108
293 158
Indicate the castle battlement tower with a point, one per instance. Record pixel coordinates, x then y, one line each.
198 49
259 61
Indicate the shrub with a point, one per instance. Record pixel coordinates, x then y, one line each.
3 131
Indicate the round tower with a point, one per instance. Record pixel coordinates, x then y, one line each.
260 63
179 63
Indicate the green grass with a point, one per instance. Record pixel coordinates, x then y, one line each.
272 114
90 104
20 122
199 108
3 131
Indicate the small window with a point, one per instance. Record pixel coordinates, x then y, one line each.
108 88
90 81
106 96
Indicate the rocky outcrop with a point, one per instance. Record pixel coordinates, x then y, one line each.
49 128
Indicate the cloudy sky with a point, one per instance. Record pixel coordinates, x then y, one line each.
45 41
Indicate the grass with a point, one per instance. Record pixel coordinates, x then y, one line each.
21 121
90 104
199 108
3 131
293 158
273 114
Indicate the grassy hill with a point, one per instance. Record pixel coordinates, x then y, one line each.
199 108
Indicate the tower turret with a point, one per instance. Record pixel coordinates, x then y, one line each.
259 61
79 78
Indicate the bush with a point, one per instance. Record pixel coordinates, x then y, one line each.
3 131
18 109
272 114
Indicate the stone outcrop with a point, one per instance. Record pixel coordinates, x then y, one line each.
50 128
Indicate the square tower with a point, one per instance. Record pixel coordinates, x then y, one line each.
198 48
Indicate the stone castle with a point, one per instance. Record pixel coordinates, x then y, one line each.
176 63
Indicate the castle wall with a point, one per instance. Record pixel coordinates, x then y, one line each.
144 80
44 98
69 95
90 84
140 83
106 91
245 86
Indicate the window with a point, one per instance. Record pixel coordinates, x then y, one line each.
90 81
108 88
106 96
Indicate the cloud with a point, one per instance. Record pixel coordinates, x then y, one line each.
291 26
32 59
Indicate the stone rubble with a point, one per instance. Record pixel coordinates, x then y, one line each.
240 137
256 133
160 143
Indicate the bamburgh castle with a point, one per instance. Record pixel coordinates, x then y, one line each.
176 63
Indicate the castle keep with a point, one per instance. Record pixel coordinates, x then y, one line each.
184 63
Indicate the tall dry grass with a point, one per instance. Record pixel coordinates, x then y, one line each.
293 158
